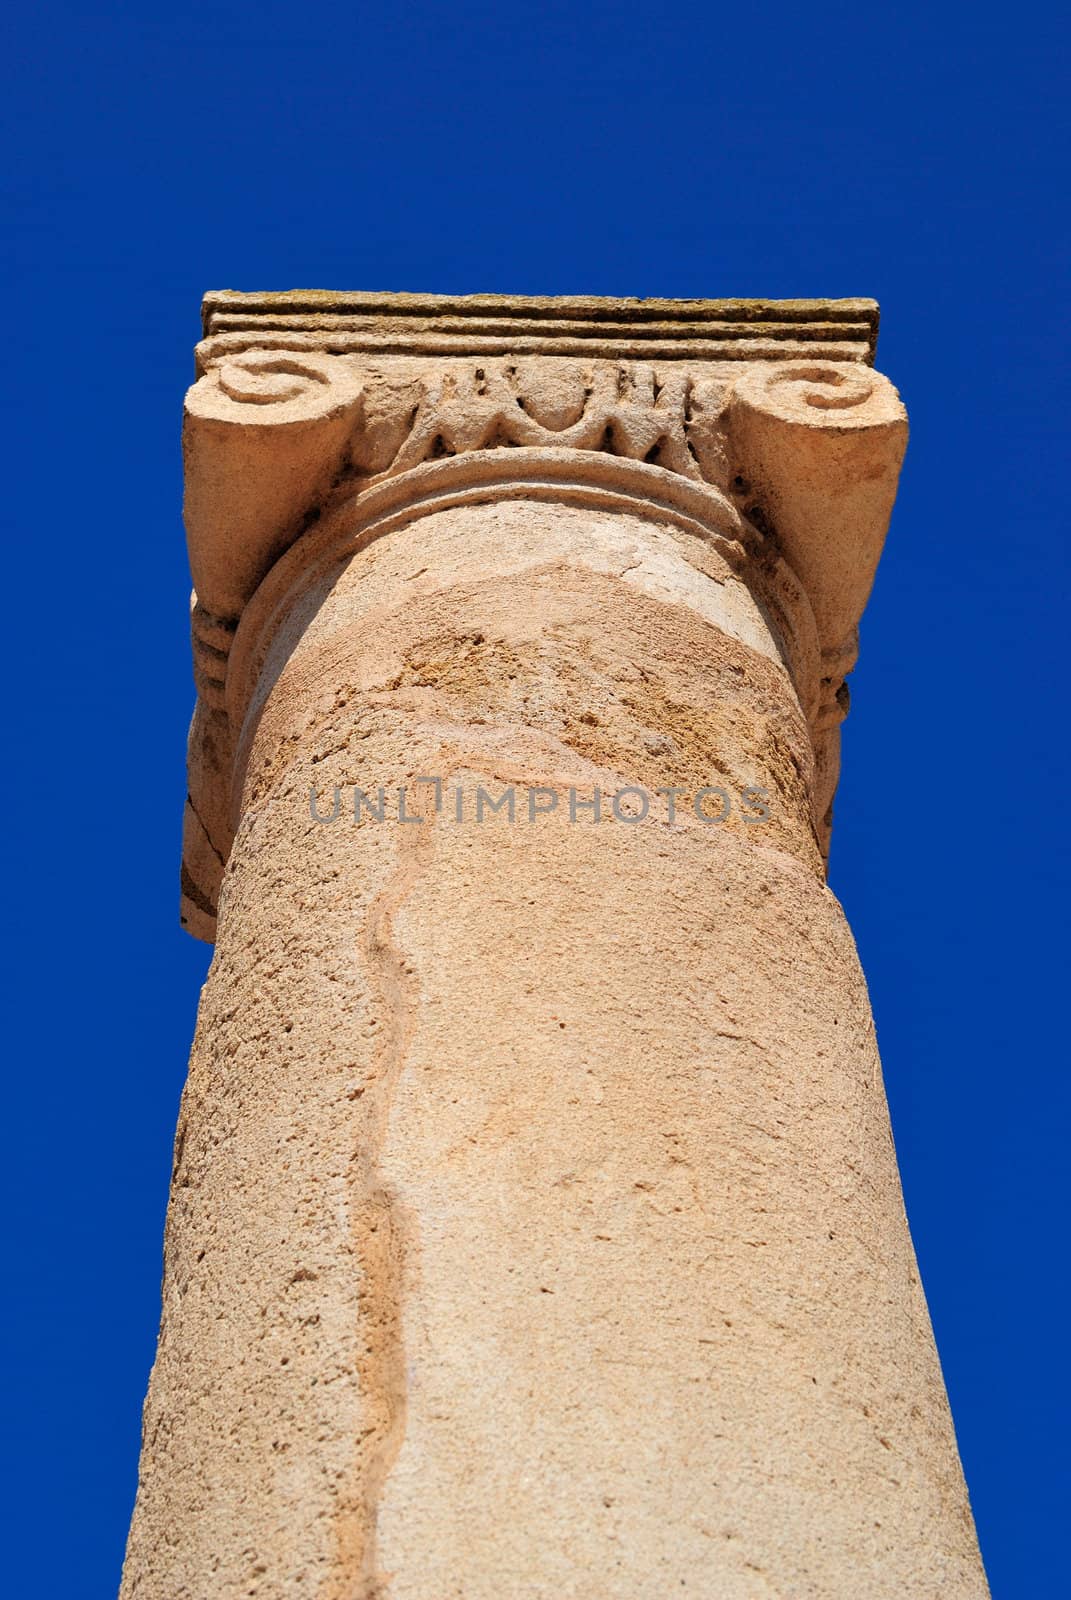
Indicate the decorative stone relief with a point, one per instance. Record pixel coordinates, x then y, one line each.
794 461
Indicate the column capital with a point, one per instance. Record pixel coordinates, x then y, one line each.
320 420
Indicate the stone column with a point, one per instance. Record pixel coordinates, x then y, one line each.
536 1227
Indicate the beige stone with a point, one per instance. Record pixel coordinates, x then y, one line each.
536 1227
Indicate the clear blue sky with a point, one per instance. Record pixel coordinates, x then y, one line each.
907 151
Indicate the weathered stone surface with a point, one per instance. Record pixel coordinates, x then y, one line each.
536 1227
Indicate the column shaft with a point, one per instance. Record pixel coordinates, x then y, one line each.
536 1227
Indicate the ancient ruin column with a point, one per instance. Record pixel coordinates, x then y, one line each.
535 1227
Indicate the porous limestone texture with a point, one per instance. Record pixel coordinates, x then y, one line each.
535 1227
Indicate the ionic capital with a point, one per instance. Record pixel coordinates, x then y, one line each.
320 421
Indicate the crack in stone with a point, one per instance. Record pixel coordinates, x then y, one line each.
381 1231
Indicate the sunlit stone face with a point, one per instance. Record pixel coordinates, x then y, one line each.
536 1227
